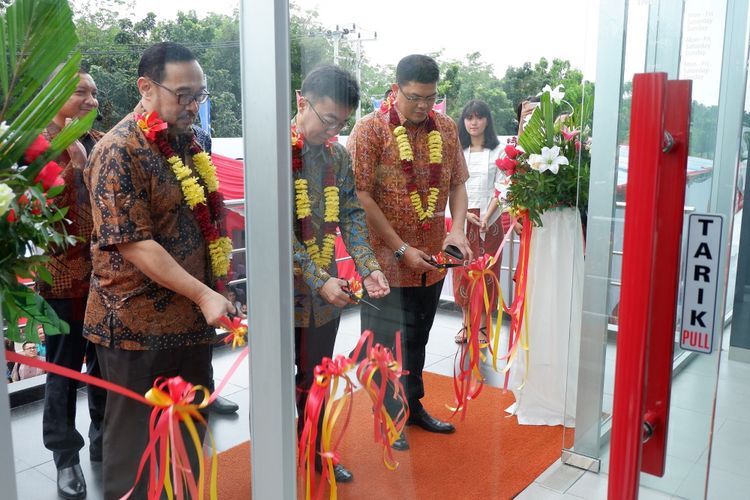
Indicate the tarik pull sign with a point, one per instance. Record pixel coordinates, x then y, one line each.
701 282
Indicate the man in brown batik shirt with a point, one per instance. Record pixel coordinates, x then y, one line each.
67 295
151 304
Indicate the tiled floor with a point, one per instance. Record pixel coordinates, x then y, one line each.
687 448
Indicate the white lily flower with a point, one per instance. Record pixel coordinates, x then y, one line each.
550 159
6 196
556 94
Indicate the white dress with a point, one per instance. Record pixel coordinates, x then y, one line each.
546 392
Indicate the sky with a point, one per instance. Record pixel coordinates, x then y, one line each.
505 32
491 27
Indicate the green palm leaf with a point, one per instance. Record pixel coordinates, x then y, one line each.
36 36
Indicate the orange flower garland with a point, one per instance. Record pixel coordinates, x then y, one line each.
406 155
320 253
207 209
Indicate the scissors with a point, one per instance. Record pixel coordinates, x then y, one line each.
356 299
452 251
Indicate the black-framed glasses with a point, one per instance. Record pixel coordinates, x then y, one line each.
186 99
418 98
328 124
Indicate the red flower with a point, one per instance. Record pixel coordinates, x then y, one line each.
37 147
507 165
568 134
578 146
150 124
511 151
425 226
50 176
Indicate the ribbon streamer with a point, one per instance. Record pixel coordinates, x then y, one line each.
172 400
387 429
321 400
467 378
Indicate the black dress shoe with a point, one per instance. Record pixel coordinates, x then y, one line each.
342 474
429 423
70 483
223 406
401 444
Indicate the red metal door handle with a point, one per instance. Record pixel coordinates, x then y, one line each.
659 131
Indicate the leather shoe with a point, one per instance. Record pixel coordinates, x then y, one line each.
70 483
223 406
401 444
342 474
429 423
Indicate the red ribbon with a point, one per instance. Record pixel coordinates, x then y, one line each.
163 426
320 401
380 359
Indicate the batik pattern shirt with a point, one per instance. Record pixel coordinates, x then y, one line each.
377 171
70 268
309 306
135 197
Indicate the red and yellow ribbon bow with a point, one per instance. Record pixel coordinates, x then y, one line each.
236 329
322 398
175 407
380 361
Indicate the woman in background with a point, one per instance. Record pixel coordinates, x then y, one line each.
485 227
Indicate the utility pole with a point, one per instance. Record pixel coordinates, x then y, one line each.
346 33
336 35
359 66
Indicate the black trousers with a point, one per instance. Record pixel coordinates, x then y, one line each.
410 310
126 421
311 345
59 418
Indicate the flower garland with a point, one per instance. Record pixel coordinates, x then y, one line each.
406 155
207 209
321 254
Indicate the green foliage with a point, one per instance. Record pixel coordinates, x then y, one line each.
535 190
37 76
462 81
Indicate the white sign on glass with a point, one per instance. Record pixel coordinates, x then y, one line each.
701 282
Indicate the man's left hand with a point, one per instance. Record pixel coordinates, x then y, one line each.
458 239
376 285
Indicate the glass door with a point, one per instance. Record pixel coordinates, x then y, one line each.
692 40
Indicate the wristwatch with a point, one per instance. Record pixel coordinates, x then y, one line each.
401 251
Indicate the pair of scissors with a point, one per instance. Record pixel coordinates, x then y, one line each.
354 298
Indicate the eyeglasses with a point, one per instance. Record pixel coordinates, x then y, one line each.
30 348
328 124
186 99
418 98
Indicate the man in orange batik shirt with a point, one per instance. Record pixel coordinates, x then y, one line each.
408 163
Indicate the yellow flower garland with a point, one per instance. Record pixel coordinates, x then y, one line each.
321 255
219 250
435 145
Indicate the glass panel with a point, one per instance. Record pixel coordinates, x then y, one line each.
426 306
652 35
148 322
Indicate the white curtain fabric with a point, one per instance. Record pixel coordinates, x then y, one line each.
546 392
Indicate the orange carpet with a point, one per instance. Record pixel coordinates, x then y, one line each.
489 456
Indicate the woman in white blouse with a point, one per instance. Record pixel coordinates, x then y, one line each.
485 226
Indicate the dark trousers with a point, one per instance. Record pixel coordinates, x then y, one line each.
126 421
311 345
410 310
59 418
